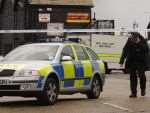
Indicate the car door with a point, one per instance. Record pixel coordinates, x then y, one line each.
83 67
68 67
94 60
97 64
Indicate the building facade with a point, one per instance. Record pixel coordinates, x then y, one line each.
41 14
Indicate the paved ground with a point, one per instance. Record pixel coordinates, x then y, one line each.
114 99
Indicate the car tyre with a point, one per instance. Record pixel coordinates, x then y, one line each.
95 89
50 93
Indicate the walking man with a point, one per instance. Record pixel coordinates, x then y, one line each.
135 53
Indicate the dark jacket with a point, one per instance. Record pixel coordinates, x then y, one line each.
135 54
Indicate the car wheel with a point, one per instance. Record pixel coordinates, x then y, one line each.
95 89
50 93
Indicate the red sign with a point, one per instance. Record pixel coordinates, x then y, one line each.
78 17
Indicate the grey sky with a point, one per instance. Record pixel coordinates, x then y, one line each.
124 12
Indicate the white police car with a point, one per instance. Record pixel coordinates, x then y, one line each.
44 70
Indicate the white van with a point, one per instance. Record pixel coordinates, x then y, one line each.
109 48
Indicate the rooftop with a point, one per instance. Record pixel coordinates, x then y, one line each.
63 2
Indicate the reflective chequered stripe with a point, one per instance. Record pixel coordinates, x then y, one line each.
60 71
74 74
87 67
79 73
45 70
69 73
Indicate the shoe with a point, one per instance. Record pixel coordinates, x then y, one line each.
143 93
133 96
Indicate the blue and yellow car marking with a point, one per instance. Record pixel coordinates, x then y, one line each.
79 71
59 70
69 73
45 70
79 74
87 66
87 81
74 75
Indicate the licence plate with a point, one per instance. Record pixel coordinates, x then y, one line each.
4 82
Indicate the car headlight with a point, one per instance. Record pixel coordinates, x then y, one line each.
27 73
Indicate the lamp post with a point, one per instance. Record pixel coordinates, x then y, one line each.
93 26
135 25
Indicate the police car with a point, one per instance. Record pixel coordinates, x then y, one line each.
45 70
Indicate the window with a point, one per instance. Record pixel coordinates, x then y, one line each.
81 54
67 51
105 24
92 54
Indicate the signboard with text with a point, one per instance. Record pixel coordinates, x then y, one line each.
44 17
78 17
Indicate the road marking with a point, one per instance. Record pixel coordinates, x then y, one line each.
118 107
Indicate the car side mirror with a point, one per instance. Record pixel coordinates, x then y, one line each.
66 58
1 58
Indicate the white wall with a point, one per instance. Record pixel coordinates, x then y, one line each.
124 12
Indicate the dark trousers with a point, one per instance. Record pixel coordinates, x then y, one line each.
134 74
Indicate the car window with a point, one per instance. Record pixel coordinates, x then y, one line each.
81 53
67 51
92 54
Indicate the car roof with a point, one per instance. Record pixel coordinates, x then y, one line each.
44 44
59 44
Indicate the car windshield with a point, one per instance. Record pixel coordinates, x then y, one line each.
32 52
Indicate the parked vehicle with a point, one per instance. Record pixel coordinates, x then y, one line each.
45 70
109 49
